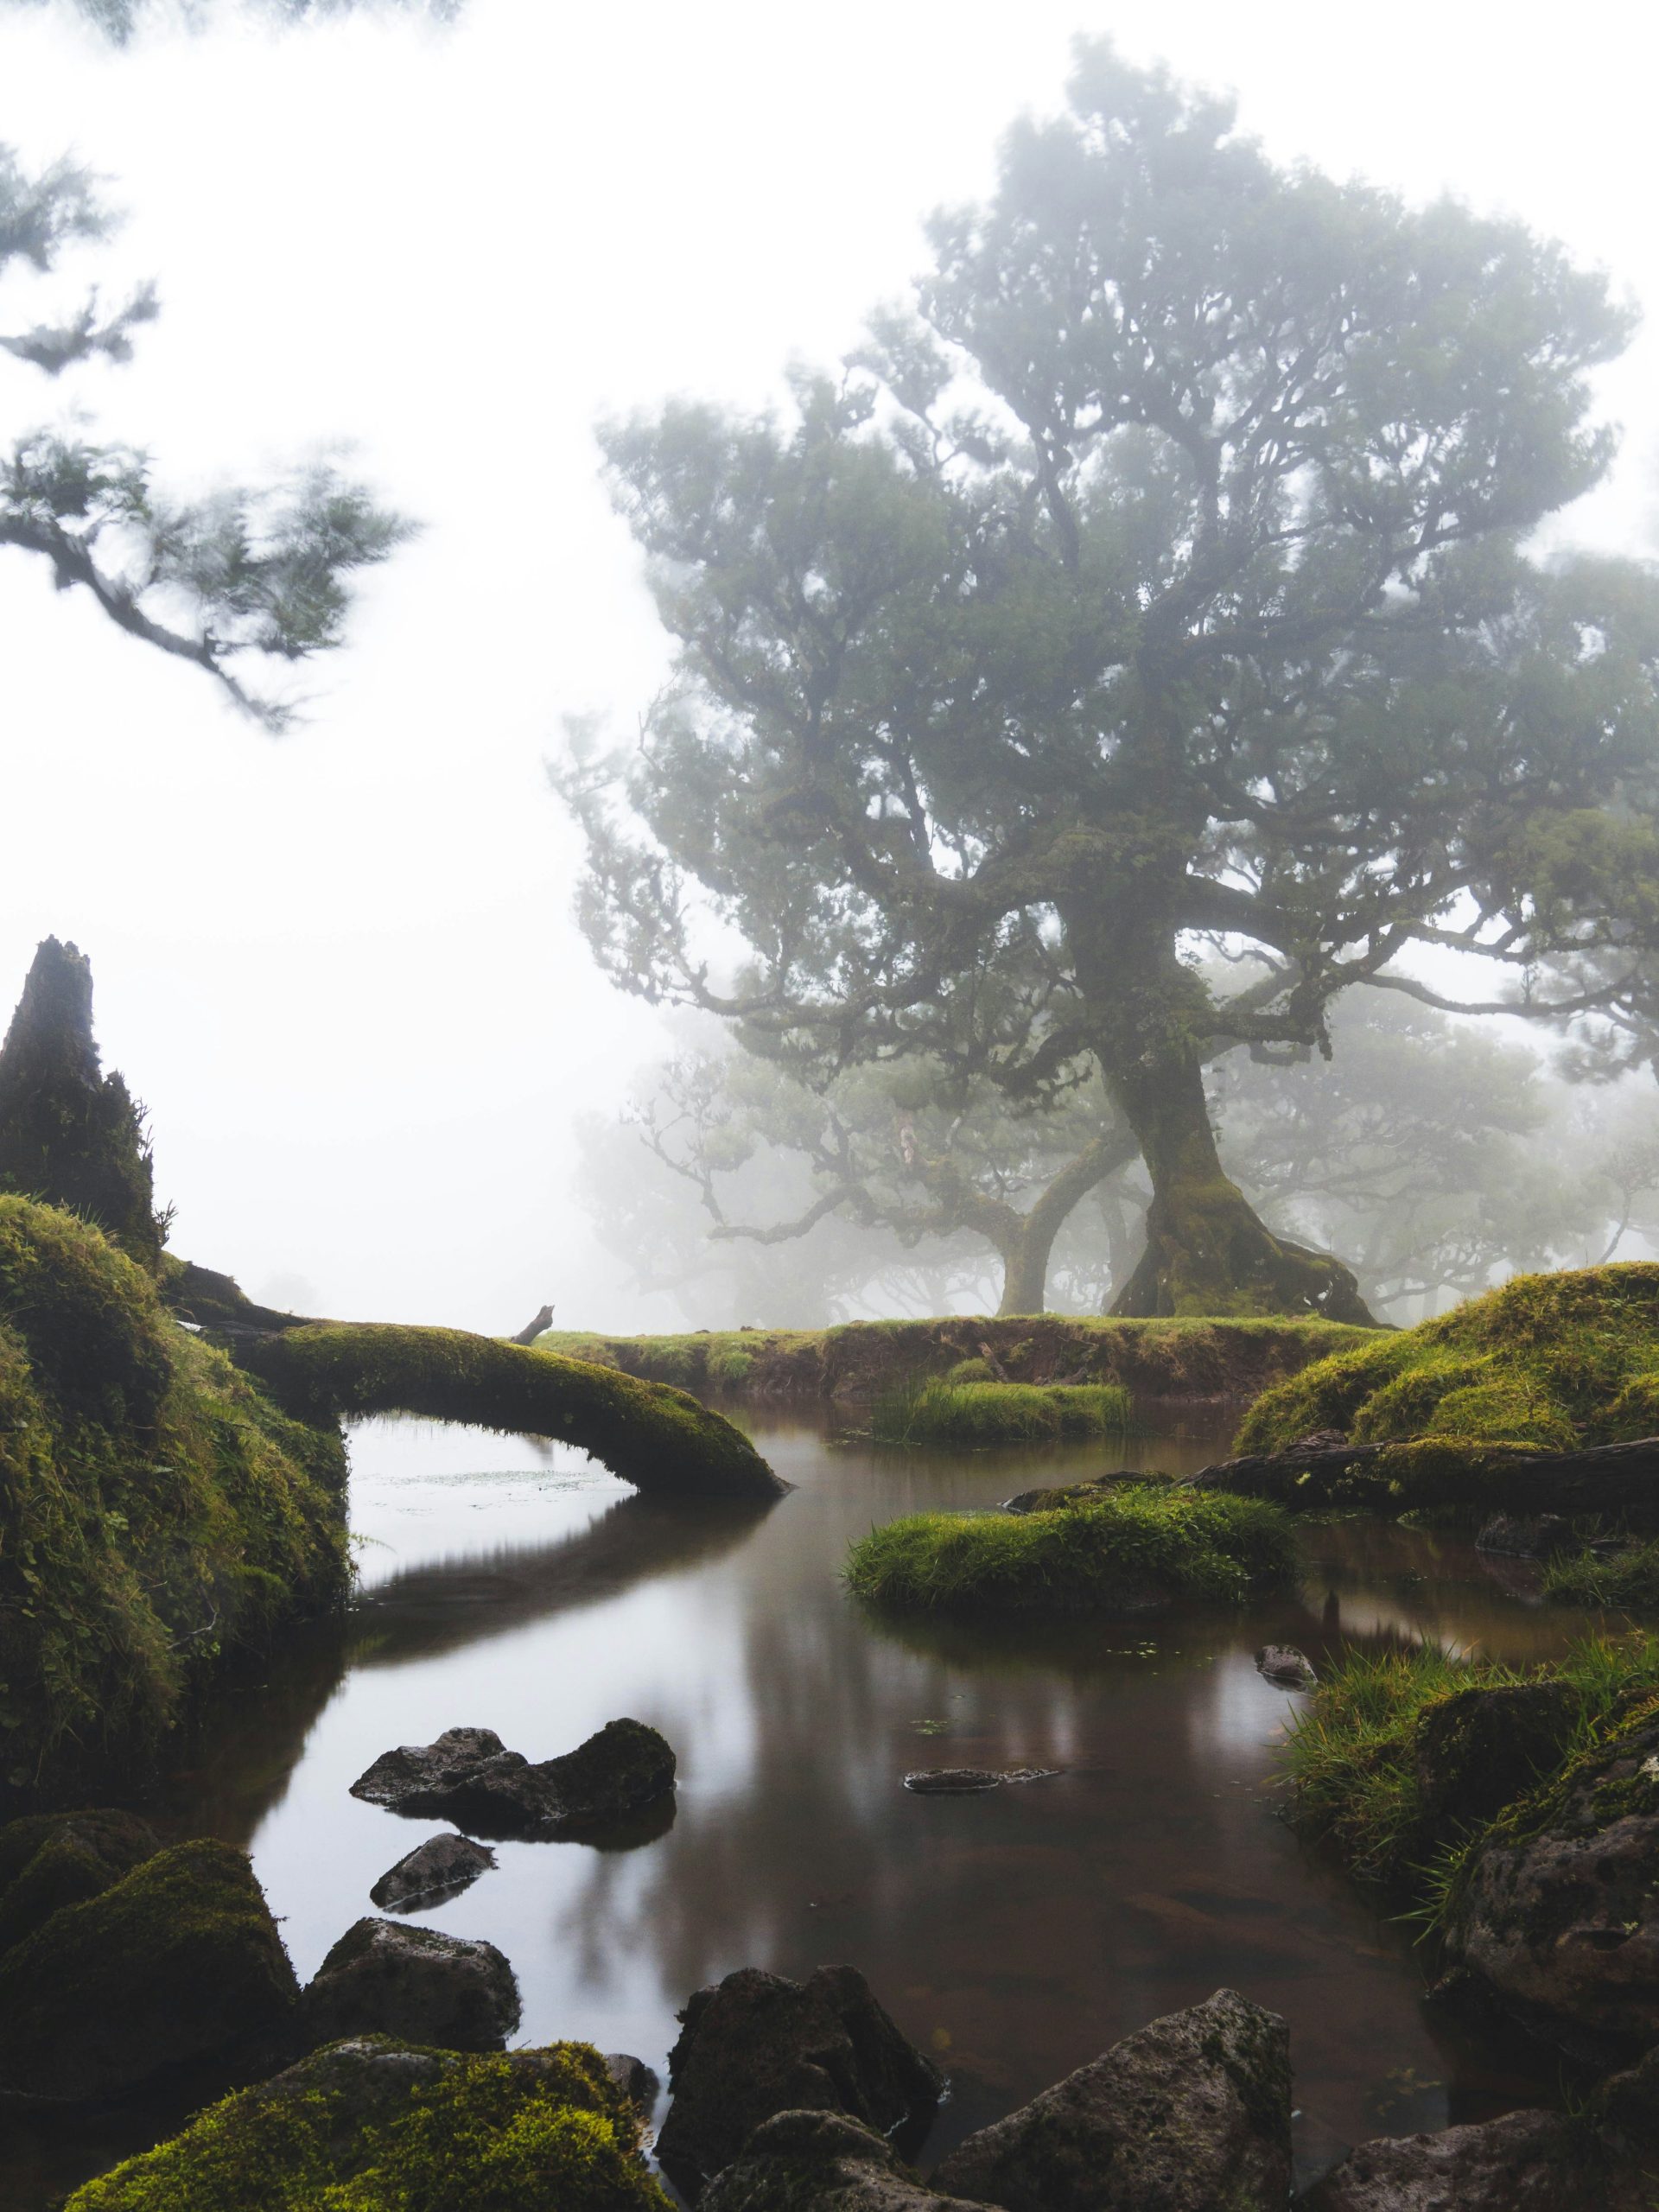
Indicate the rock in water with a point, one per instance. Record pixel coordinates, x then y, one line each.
756 2044
469 1776
178 1963
416 1984
634 2078
1557 1910
821 2162
49 1859
1505 1537
963 1780
431 1872
1189 2114
1525 2162
1284 1664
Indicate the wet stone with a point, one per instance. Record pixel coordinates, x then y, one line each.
756 2044
968 1780
634 2078
1284 1664
469 1776
450 1992
821 2162
432 1871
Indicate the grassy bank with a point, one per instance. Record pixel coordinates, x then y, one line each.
1402 1757
978 1415
1137 1547
1623 1580
861 1359
156 1510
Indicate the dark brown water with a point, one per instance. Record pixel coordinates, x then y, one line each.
1014 1934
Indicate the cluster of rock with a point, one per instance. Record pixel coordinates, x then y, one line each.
469 1775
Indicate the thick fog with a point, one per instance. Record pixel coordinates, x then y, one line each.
340 967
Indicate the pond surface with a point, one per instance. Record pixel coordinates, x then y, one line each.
1014 1935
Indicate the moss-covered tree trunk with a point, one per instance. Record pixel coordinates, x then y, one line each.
1207 1249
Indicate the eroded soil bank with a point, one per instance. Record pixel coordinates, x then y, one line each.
1222 1360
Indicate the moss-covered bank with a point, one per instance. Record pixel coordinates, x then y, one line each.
660 1439
1403 1758
372 2125
980 1415
156 1510
861 1359
1144 1546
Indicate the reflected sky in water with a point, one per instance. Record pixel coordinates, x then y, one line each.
1014 1936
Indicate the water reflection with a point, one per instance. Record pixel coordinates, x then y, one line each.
1014 1934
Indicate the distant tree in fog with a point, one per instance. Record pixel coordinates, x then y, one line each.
245 576
1158 587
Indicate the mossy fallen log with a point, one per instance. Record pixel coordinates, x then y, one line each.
655 1437
1617 1481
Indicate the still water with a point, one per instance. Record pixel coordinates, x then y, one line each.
1014 1936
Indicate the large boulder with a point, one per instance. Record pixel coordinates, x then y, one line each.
1189 2114
1525 2162
178 1963
370 2123
756 2044
385 1977
820 2162
1557 1909
49 1859
439 1868
469 1776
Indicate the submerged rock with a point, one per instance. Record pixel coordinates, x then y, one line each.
417 1984
1524 2162
469 1775
432 1870
49 1859
1189 2114
371 2122
1557 1910
964 1780
755 2044
178 1962
821 2162
1284 1664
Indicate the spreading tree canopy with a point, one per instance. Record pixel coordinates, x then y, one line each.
1156 587
248 574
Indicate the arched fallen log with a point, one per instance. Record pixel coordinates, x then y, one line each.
658 1438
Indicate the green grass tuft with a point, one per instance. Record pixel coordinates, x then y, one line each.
1628 1579
1354 1756
1135 1547
980 1415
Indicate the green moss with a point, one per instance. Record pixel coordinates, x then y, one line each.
374 2127
653 1436
1394 1758
57 1858
970 1370
156 1510
1546 1361
179 1960
1135 1547
981 1414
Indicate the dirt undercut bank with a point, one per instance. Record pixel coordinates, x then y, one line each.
1163 1358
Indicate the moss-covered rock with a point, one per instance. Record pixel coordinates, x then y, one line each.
376 2127
1130 1550
156 1510
385 1977
57 1858
655 1437
69 1134
176 1964
1545 1363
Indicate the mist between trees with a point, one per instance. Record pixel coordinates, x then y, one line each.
1436 1157
1133 661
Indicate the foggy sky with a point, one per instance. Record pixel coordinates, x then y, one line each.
340 967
